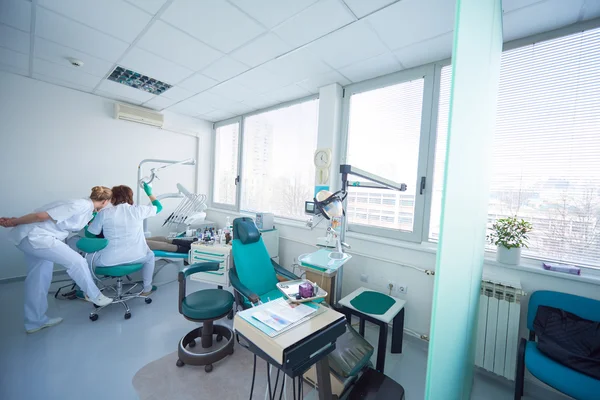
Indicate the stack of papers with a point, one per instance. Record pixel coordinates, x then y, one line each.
278 316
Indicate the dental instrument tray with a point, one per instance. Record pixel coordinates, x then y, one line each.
291 290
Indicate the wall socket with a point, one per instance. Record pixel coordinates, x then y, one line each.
401 289
364 278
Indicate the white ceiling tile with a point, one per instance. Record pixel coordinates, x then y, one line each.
380 65
237 108
215 22
117 97
272 12
14 70
360 8
261 49
348 45
297 65
261 79
425 52
287 93
58 54
151 6
591 9
72 34
14 39
177 93
16 13
511 5
313 83
177 46
224 68
125 91
115 17
540 17
211 100
63 73
159 103
218 115
233 90
190 108
260 101
197 83
411 21
154 66
14 59
62 83
317 20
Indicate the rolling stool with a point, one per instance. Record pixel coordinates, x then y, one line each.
204 306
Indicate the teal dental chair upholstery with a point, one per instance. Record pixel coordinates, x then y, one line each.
254 273
104 274
205 306
552 373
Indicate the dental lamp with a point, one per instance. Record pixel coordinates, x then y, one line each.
332 205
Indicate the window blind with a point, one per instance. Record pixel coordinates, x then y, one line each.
546 155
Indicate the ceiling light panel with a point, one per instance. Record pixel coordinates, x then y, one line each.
139 81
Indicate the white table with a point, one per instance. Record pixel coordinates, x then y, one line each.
395 314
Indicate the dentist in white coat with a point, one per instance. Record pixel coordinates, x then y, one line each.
123 226
40 235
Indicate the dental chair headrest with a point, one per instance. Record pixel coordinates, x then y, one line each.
245 230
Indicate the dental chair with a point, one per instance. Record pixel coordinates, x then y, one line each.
103 274
254 276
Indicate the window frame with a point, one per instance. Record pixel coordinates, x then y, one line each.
425 72
216 125
240 185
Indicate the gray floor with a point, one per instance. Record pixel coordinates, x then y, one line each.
97 360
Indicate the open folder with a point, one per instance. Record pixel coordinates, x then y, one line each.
278 316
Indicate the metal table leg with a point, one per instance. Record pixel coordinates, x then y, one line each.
383 332
361 326
323 379
398 332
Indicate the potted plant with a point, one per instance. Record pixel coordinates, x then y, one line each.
510 236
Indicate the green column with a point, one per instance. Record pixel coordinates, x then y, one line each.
459 265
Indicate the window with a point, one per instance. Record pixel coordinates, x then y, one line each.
384 136
278 174
226 164
546 164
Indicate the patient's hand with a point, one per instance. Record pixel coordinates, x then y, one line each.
8 222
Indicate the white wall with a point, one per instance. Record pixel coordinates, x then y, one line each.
57 143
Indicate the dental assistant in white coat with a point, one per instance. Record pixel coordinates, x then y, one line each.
123 226
40 235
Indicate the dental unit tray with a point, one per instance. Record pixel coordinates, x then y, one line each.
291 288
324 261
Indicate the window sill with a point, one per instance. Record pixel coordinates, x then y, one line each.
426 247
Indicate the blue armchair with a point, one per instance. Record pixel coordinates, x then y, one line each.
552 373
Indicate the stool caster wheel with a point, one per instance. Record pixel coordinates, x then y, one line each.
94 317
127 315
219 338
230 315
179 363
208 368
192 344
148 300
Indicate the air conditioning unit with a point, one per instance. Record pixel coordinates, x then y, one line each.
139 114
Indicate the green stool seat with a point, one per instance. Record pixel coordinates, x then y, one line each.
207 304
118 270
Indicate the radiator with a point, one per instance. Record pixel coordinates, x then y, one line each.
498 328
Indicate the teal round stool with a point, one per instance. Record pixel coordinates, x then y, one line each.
205 306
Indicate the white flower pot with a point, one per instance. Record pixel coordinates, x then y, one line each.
510 256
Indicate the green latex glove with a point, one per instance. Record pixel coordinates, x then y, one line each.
158 206
147 189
